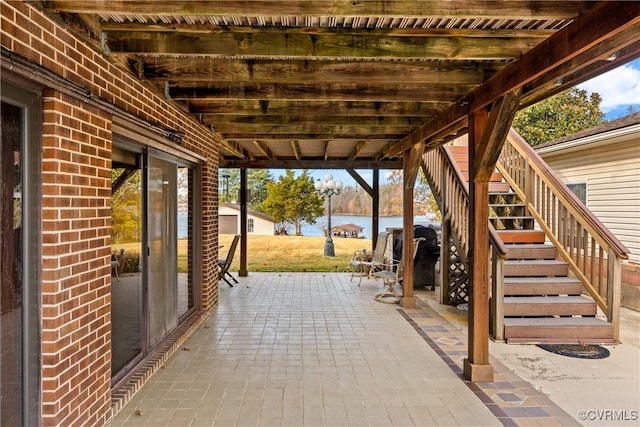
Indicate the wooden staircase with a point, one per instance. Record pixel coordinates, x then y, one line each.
542 302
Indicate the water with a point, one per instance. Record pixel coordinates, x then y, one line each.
362 221
321 222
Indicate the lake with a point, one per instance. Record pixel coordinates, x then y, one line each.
362 221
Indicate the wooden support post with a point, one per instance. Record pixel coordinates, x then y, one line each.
243 272
476 365
375 209
410 166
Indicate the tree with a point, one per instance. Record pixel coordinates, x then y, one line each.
257 180
567 112
293 200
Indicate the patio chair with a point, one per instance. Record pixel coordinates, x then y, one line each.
377 259
225 263
116 263
392 275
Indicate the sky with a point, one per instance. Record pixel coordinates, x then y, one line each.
619 89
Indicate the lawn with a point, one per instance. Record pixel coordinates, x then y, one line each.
279 253
294 253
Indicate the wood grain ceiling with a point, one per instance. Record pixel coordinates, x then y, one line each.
352 83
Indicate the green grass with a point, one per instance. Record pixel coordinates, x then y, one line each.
280 253
294 253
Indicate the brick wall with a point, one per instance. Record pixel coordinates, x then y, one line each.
76 334
76 277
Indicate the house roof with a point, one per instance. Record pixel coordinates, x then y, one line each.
351 84
347 228
250 212
623 122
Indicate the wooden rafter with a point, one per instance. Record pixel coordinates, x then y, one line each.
295 147
544 9
610 22
266 151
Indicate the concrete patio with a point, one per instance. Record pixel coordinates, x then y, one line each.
313 349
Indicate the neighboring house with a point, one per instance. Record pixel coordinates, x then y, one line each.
602 167
258 223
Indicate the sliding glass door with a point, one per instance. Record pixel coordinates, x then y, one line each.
162 229
20 251
153 201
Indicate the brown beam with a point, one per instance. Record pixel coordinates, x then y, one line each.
295 147
262 147
314 108
495 133
318 45
365 186
199 69
476 365
408 299
605 21
317 163
516 9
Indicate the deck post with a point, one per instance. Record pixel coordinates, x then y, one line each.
243 272
408 299
375 208
476 365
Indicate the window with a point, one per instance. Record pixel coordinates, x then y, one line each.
250 225
579 190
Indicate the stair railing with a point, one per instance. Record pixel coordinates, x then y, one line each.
594 254
451 191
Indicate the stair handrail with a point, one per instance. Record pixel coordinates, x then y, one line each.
460 191
582 240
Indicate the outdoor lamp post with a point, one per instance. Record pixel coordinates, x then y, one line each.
328 188
226 177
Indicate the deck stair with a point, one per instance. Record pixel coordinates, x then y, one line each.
542 302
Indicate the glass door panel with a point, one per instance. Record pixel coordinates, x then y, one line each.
11 319
126 259
162 243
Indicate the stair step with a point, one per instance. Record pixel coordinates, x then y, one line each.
549 306
531 251
464 168
508 209
586 330
504 198
542 286
499 186
513 222
535 267
521 236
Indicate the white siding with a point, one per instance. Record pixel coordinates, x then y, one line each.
612 175
261 226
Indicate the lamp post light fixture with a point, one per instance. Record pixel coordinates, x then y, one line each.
226 177
328 188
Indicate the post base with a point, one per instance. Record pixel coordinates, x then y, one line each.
477 373
329 249
408 302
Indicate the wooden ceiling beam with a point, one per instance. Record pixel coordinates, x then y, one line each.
264 149
606 21
495 132
312 46
311 163
208 28
191 70
222 122
330 134
315 108
336 92
515 9
295 147
360 180
357 149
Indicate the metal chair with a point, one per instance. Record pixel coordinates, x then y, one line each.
392 275
377 259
